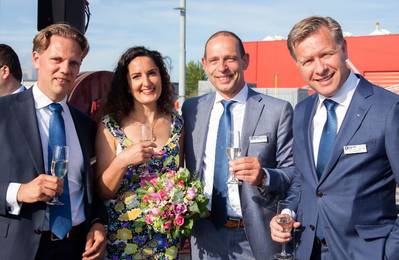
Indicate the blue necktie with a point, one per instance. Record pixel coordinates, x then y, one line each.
325 147
327 137
221 171
60 216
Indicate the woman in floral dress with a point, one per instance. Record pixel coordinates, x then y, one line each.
141 95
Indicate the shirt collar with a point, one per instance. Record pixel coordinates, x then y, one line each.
42 101
241 96
344 95
20 89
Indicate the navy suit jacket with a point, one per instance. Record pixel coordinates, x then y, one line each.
355 196
264 115
21 160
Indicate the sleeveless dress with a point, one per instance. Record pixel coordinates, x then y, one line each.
127 238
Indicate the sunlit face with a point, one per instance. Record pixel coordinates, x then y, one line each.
225 65
57 67
321 61
144 80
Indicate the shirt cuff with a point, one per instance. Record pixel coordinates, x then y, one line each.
266 179
13 206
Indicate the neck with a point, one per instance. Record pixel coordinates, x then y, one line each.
145 114
9 88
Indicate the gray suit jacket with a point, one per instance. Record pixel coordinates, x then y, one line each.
264 115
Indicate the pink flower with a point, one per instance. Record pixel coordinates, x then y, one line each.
167 225
191 193
180 208
163 194
179 220
153 182
146 198
181 183
155 211
149 219
171 174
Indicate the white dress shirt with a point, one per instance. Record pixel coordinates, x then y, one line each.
343 99
237 114
75 166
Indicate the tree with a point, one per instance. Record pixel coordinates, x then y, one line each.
194 73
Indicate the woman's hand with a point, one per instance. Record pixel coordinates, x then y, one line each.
137 153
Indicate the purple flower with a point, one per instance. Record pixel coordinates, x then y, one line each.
191 193
180 208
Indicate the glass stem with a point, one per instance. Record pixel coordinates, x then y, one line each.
283 252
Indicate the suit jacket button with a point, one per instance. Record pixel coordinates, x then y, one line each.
312 227
319 194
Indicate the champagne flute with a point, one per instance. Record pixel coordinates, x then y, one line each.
145 136
286 222
59 167
233 151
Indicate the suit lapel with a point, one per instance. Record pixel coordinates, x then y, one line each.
205 106
25 112
83 136
308 119
357 110
253 111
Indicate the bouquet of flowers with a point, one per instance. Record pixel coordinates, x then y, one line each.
171 202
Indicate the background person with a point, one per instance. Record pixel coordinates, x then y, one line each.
10 71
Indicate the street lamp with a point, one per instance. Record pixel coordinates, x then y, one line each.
182 52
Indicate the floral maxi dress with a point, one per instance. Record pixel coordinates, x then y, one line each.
127 238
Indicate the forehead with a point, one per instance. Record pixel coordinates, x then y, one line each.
142 62
222 44
66 47
320 40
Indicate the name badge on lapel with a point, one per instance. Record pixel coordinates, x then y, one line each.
354 149
258 139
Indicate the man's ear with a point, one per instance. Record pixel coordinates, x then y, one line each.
4 72
35 59
245 58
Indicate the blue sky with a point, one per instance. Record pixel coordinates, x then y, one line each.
116 25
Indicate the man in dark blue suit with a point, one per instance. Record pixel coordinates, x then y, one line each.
346 151
29 228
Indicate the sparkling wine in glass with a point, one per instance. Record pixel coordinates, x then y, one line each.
59 167
286 222
145 136
233 151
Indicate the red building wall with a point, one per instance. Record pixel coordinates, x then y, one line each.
271 65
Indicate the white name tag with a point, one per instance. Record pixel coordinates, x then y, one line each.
353 149
258 139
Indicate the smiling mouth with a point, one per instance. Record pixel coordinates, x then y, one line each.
62 80
148 91
325 78
224 79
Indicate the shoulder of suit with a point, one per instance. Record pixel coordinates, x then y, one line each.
193 101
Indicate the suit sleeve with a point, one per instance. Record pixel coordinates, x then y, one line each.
282 174
392 149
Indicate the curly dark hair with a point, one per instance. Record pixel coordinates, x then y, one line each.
119 100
